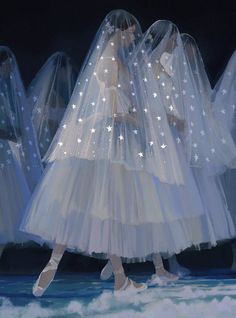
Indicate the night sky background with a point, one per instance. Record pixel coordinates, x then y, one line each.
36 29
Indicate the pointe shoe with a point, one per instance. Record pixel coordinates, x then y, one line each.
162 278
38 291
130 288
106 272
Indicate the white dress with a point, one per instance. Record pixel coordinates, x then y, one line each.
109 188
101 209
14 196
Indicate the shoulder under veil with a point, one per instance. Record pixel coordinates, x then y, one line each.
179 94
224 95
15 125
48 96
110 116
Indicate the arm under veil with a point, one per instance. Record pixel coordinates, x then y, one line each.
224 95
15 106
110 118
48 96
179 94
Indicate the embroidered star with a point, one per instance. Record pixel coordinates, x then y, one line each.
80 93
79 140
60 143
196 157
178 140
145 79
121 137
154 95
163 146
224 91
134 109
151 143
92 130
73 106
145 110
140 154
192 108
103 99
171 108
80 120
202 132
109 128
158 117
135 131
64 126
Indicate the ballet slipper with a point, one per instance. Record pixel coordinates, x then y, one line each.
162 277
130 288
38 291
106 272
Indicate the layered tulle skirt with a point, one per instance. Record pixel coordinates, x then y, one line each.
101 208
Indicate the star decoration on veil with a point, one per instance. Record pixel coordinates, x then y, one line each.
110 28
109 128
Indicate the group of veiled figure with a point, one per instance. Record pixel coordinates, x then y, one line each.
132 159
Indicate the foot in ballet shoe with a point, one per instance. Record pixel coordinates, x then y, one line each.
106 272
129 288
162 277
45 278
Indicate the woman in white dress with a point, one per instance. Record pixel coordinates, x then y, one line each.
172 64
115 186
20 166
48 96
224 104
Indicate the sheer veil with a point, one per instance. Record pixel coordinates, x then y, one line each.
110 115
164 54
16 123
49 94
